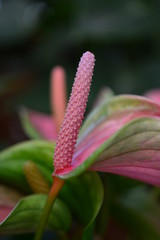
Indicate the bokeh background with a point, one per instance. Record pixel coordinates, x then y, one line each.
36 35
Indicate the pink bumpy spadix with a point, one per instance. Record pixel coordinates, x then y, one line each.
69 130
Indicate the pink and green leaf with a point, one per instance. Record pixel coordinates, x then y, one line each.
134 152
128 105
123 139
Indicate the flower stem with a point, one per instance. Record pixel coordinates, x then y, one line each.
55 189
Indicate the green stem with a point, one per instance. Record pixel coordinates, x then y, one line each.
55 189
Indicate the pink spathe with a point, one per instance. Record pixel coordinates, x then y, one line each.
69 130
44 124
58 93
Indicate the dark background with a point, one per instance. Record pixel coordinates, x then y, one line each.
37 35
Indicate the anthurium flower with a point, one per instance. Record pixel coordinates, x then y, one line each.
121 135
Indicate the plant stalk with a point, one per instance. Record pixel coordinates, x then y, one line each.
55 189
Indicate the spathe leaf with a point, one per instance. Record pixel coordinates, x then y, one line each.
38 125
129 106
133 151
108 140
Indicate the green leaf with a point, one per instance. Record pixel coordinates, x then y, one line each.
25 216
139 211
84 196
12 161
88 233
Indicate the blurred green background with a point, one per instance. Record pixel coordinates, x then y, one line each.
36 35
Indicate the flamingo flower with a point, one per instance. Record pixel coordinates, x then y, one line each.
121 135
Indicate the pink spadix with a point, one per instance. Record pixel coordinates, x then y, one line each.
69 130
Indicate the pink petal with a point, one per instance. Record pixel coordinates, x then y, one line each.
141 165
105 130
58 94
44 124
134 152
